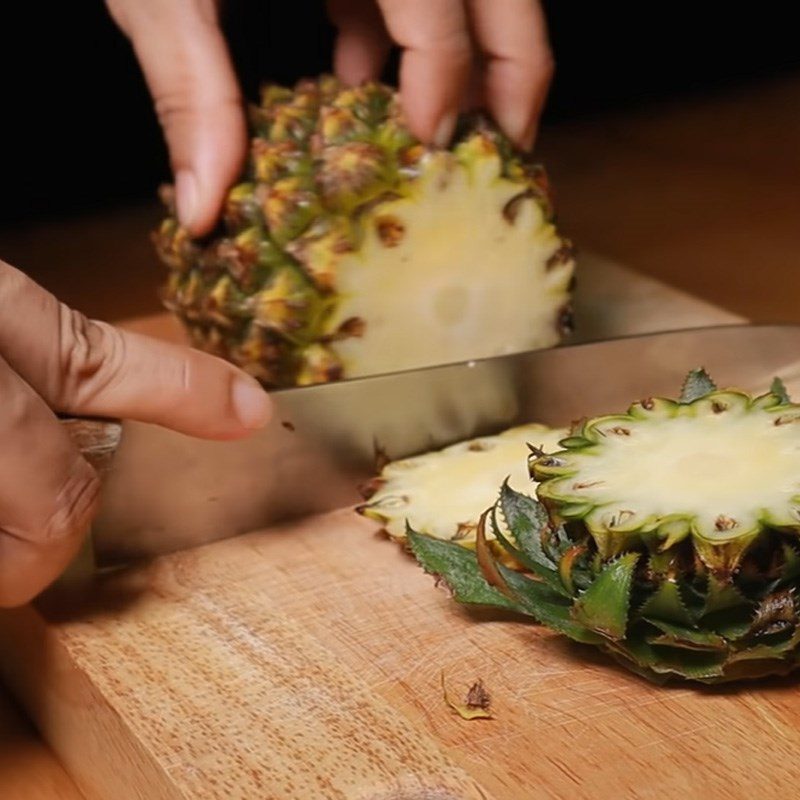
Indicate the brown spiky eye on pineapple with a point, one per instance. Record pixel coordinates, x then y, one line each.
350 249
667 535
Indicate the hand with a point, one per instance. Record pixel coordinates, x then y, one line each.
54 359
456 54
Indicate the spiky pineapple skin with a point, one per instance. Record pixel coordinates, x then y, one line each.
331 172
664 605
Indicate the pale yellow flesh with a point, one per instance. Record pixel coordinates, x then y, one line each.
462 283
733 467
444 493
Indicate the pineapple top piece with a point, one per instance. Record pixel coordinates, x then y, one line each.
717 466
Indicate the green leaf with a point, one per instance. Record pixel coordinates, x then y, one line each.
667 604
696 665
526 519
732 623
761 652
549 576
697 384
658 663
547 607
778 649
603 607
722 595
687 638
751 669
458 567
779 390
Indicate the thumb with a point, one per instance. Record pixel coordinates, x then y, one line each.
187 67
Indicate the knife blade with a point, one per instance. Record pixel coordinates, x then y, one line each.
167 491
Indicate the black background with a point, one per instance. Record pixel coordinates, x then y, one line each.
77 130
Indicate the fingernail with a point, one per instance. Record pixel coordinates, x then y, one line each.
251 403
444 130
186 197
518 127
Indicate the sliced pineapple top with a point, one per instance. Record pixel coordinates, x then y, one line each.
719 469
444 493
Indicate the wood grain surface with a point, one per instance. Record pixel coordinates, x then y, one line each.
305 662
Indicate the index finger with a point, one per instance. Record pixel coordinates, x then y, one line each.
434 69
512 35
80 366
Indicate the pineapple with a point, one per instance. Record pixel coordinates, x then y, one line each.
666 535
444 493
350 249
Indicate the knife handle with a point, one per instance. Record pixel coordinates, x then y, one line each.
97 439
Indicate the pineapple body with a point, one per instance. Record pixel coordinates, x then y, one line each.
350 249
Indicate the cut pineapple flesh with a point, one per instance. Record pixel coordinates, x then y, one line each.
719 469
439 292
444 493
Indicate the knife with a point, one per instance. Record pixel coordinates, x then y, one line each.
166 491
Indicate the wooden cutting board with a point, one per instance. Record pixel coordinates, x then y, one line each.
306 661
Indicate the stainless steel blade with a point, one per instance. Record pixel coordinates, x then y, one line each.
167 491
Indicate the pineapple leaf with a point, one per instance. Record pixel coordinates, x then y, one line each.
662 661
686 638
698 384
603 607
721 596
566 567
458 567
667 604
761 652
526 519
549 576
733 623
779 390
774 649
750 669
547 607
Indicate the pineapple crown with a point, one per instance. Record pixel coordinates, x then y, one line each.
661 612
690 444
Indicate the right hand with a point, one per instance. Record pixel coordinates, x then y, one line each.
53 359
